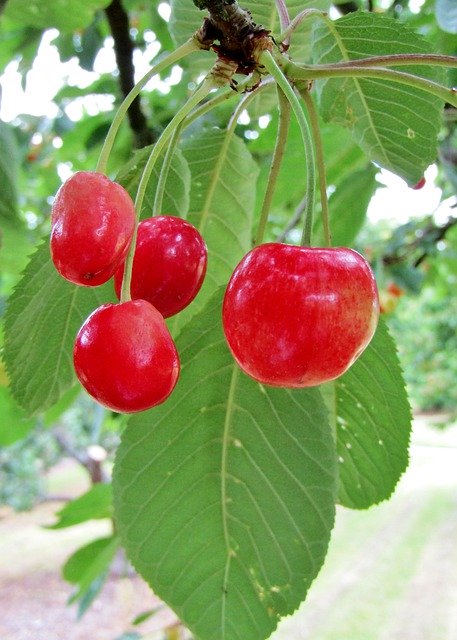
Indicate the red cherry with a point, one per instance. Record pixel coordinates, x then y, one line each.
125 357
93 220
299 316
169 265
395 290
419 184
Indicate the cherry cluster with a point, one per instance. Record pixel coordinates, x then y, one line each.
124 355
293 316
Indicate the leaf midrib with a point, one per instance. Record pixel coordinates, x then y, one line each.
346 57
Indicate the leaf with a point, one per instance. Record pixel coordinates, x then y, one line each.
14 424
176 196
373 424
446 15
395 124
224 494
88 568
348 206
65 15
43 316
221 204
8 174
95 504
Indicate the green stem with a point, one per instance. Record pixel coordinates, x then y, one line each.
320 161
207 85
278 155
185 49
220 98
164 171
297 72
397 59
301 17
268 61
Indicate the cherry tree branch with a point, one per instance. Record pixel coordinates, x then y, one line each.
118 21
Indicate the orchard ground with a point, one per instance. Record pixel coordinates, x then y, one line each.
390 573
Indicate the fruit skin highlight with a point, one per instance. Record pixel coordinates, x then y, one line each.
93 220
169 264
298 316
125 358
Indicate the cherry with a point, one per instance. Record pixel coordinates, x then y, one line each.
299 316
169 264
93 220
420 184
125 357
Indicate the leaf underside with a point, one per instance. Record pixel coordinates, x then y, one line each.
395 124
224 495
373 424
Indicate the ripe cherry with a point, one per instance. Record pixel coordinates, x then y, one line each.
169 265
299 316
420 184
125 357
93 220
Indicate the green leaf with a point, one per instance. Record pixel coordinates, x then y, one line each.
224 495
88 568
446 15
221 204
8 174
176 195
395 124
43 316
348 206
53 414
373 424
14 424
95 504
65 15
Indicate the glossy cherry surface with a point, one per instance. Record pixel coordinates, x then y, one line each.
299 316
169 265
125 357
93 220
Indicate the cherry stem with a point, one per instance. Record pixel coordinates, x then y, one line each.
208 84
278 155
301 17
320 161
283 13
299 72
393 60
270 64
184 50
164 171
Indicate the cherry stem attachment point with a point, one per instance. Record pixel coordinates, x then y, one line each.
271 66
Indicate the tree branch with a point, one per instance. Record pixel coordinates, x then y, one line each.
118 20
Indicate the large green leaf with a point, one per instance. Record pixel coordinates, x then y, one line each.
8 173
373 424
65 15
224 495
396 125
176 194
221 204
43 316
